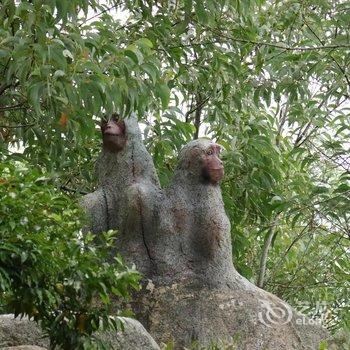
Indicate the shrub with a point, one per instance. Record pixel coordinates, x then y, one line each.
49 270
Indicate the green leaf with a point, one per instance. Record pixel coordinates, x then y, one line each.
323 345
134 53
67 53
201 12
163 92
151 70
144 42
59 73
256 96
34 96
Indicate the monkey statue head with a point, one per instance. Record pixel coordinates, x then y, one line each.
113 134
199 159
123 152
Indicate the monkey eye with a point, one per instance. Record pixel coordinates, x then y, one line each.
209 152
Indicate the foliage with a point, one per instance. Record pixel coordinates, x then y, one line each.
48 269
269 80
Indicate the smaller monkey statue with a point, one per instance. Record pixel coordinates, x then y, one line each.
127 178
113 134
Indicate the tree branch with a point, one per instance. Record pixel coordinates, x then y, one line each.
72 190
198 109
197 106
265 252
197 117
11 108
283 47
332 57
99 14
16 126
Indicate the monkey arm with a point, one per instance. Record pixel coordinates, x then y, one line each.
95 207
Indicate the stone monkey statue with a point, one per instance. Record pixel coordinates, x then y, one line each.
179 238
124 169
193 237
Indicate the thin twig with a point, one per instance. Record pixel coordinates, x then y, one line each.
329 157
278 264
72 190
265 252
11 108
333 58
16 126
99 14
4 88
197 116
200 105
286 47
260 43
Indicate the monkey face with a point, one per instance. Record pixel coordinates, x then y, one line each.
113 134
212 169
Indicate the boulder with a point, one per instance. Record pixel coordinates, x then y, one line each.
246 317
15 333
133 337
20 331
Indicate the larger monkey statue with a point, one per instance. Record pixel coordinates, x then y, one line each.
179 239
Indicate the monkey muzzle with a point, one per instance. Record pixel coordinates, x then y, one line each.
114 142
214 175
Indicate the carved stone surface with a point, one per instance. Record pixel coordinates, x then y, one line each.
179 239
115 204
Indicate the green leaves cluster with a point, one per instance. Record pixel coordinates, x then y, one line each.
59 71
48 269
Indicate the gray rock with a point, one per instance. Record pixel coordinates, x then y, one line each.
15 333
251 319
133 337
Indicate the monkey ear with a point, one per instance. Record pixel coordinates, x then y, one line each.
115 117
107 117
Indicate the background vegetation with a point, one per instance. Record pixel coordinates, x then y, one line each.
268 80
